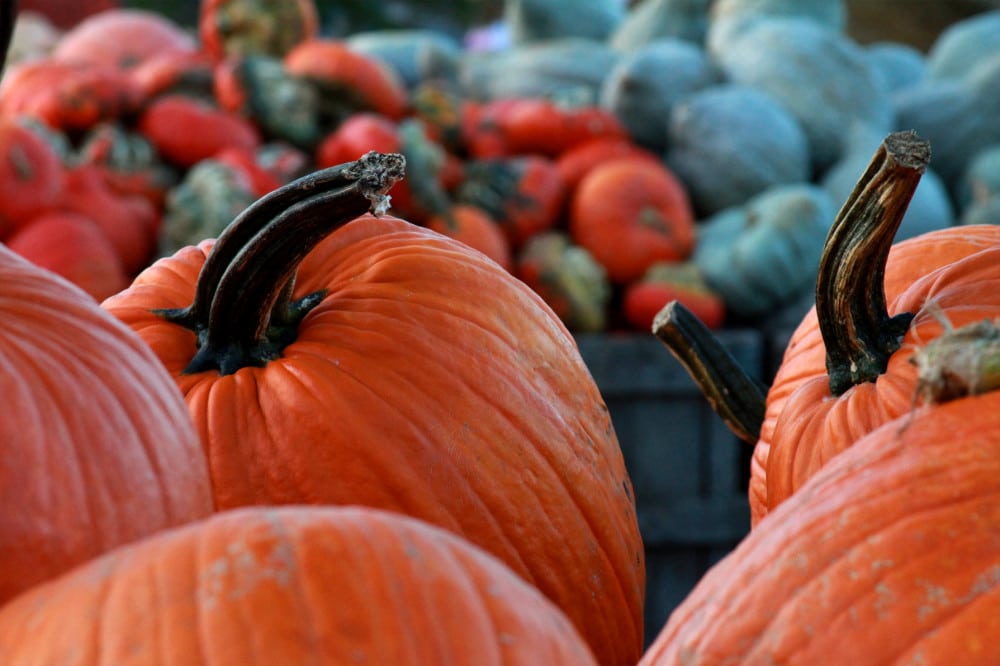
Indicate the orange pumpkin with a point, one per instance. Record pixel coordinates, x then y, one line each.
474 227
31 175
629 213
400 370
186 130
122 38
889 554
295 585
97 448
72 246
348 80
68 96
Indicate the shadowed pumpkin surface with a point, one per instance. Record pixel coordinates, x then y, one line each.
291 585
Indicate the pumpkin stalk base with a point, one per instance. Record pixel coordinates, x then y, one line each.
244 313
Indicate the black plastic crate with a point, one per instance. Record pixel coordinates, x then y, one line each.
689 472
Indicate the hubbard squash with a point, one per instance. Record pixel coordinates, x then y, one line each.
818 73
293 585
729 143
386 365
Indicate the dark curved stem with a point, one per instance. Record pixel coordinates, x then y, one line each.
251 317
244 227
857 330
735 396
8 16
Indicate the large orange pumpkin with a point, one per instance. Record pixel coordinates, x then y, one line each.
292 585
406 372
96 446
847 369
889 554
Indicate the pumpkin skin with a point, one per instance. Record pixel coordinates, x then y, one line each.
420 380
98 447
31 175
363 585
888 555
950 272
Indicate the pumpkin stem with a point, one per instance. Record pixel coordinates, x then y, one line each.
243 310
242 229
732 393
857 330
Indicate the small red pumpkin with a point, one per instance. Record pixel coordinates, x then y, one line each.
629 213
186 130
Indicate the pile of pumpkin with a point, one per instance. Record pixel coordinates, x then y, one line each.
398 455
612 159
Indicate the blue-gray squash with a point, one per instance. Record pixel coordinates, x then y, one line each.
651 20
963 45
571 69
931 206
821 75
982 212
728 18
981 180
763 255
645 84
896 65
951 116
415 54
729 142
532 21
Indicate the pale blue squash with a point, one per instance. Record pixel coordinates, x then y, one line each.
532 21
930 208
963 45
727 143
651 20
763 255
896 65
951 116
572 69
728 18
981 180
819 74
415 54
646 83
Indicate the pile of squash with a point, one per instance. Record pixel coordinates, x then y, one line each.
612 159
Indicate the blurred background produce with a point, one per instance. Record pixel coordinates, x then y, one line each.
750 120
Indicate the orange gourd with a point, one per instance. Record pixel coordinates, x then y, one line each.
630 213
294 585
399 370
72 246
888 554
97 448
122 38
349 79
